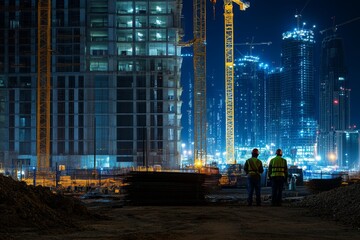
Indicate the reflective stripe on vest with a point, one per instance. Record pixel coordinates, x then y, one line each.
278 167
250 166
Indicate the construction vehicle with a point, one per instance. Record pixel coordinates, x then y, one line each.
232 176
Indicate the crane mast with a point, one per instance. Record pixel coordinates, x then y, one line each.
199 46
43 86
229 75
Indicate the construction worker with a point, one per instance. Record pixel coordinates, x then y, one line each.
253 168
278 174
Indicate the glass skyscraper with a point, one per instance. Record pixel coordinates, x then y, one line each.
249 98
115 83
216 121
298 124
334 96
347 149
273 108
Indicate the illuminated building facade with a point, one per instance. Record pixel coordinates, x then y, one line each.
334 96
216 121
116 94
249 98
347 150
298 124
273 108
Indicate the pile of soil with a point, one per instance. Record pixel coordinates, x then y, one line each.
340 204
26 206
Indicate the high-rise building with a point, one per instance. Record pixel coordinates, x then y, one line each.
298 124
347 150
334 96
115 83
249 99
273 108
216 121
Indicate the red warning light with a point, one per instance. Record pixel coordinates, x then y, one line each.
336 101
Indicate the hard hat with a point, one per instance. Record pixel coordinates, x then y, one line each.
255 152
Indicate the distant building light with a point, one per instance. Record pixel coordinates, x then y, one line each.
186 55
336 101
303 35
341 78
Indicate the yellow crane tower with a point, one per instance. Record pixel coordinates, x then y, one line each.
199 46
43 86
229 73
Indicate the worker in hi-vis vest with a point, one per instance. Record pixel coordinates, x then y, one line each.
278 174
253 168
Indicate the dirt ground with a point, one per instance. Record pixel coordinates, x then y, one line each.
215 221
28 212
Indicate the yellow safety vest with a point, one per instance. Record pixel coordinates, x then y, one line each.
278 165
253 166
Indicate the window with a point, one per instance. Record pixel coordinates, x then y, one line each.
141 107
141 94
124 81
125 66
101 82
124 133
98 66
124 120
157 49
124 94
101 107
124 107
140 35
125 49
124 148
141 120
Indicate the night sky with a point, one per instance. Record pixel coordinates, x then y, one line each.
265 21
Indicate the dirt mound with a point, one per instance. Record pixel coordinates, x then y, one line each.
23 206
341 204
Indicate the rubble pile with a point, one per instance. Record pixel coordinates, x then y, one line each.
37 207
340 204
320 185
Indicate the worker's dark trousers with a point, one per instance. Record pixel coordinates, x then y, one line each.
277 185
253 184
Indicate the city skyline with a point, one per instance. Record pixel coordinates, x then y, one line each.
130 80
265 22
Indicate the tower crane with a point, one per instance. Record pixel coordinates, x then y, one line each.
252 44
229 73
199 47
335 27
43 86
199 60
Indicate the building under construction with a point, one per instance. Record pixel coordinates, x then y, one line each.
115 83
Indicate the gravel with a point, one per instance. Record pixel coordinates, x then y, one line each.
25 206
340 204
